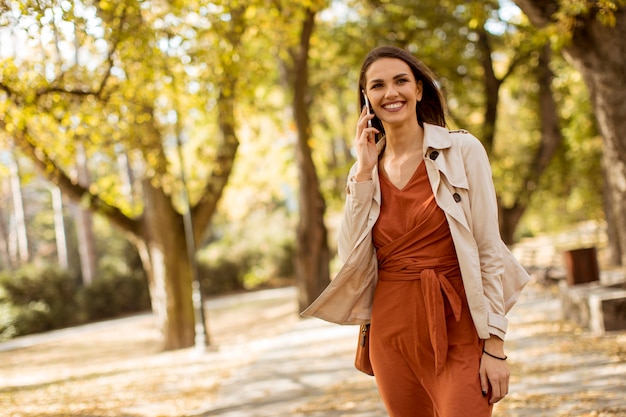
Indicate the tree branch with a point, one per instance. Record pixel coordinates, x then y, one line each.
540 12
72 189
517 59
551 137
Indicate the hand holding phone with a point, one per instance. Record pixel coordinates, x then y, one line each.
367 153
368 108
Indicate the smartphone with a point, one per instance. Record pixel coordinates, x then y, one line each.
368 108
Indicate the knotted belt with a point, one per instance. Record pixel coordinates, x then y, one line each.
434 287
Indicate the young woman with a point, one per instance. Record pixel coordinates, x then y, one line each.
423 259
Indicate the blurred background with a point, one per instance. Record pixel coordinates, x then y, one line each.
156 153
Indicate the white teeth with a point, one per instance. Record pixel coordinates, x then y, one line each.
393 106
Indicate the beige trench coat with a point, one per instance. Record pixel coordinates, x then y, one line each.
460 176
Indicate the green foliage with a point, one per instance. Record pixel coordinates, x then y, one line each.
8 318
571 189
250 244
222 275
113 293
36 298
603 10
257 251
572 13
170 65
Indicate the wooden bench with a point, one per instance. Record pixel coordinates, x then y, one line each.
595 306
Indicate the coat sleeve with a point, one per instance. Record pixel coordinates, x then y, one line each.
359 199
485 228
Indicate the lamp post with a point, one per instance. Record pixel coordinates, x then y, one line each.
201 340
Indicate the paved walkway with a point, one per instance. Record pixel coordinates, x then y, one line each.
304 367
306 371
558 370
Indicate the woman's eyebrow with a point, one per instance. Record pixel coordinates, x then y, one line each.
395 77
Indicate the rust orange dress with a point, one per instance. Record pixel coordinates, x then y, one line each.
424 348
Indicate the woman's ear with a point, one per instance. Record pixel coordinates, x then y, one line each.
419 90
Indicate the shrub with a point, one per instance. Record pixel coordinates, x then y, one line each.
221 275
222 269
39 298
36 298
7 321
114 292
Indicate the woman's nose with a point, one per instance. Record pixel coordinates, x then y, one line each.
391 92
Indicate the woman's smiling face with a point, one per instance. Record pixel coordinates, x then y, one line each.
393 91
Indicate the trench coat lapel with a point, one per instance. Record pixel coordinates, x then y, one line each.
440 160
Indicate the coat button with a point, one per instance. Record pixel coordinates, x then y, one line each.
457 197
434 155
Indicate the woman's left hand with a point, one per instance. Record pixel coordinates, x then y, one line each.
494 372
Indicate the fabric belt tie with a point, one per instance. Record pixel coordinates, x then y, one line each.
433 287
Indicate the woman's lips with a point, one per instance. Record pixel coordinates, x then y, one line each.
394 106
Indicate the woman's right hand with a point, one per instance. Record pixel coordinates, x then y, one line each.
365 145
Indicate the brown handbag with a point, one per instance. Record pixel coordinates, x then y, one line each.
362 360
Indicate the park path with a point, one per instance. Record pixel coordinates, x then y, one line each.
558 370
272 364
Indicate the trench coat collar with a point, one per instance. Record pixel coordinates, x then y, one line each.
450 164
437 138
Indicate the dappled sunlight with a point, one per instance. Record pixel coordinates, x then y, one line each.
115 371
231 125
268 362
119 369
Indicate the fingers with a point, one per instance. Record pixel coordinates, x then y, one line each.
494 376
499 390
365 142
365 135
484 381
364 118
368 135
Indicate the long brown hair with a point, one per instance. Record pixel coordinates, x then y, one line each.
431 108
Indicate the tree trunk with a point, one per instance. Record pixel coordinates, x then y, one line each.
492 92
614 168
312 253
18 210
613 250
509 218
59 226
127 176
598 51
84 223
5 257
163 251
159 232
551 140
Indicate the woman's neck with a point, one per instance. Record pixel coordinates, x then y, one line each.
403 140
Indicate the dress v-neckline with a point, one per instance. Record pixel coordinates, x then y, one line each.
404 187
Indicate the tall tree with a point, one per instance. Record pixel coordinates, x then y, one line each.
18 209
312 254
478 54
5 256
550 140
138 55
593 39
312 258
59 227
84 222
